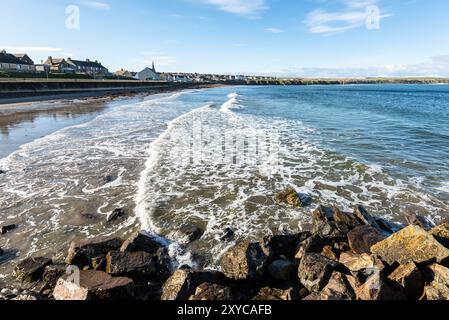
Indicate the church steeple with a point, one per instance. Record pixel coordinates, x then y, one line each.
154 69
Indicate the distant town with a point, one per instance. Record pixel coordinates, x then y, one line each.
20 65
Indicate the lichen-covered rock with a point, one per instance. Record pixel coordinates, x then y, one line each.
439 287
82 252
246 260
283 270
326 227
212 292
411 244
375 288
347 218
93 285
274 294
31 269
362 238
140 241
338 288
356 262
410 279
291 197
52 274
330 253
441 233
183 283
315 271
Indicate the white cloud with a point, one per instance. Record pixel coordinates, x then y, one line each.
274 30
96 4
354 15
30 49
242 7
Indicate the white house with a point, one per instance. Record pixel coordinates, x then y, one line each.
148 74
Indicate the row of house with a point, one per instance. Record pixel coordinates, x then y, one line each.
15 62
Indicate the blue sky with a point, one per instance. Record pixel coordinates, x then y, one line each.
325 38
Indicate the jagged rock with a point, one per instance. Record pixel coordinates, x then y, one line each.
192 232
365 218
388 227
134 264
31 269
410 279
6 228
183 283
417 220
274 294
346 218
375 288
140 241
52 273
228 235
362 238
277 246
315 271
211 292
338 288
330 253
93 285
82 252
283 270
313 244
439 287
245 260
291 197
356 262
116 215
325 226
411 244
441 233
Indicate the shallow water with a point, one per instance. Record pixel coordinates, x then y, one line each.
215 158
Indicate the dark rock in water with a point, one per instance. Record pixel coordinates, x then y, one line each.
109 179
315 271
362 238
338 288
192 232
6 228
388 227
410 279
291 197
441 233
365 218
140 241
116 215
245 260
2 172
283 245
417 220
94 285
135 264
326 227
82 252
52 274
313 244
283 270
411 244
228 235
375 288
183 283
212 292
31 269
438 289
274 294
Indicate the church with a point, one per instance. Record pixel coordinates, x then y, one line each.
148 74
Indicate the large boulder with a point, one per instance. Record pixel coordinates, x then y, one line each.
365 217
338 288
82 252
357 262
7 228
283 245
140 241
326 227
411 244
137 264
291 197
362 238
212 292
183 283
283 270
246 260
438 289
93 285
313 244
315 271
346 218
31 269
441 233
410 279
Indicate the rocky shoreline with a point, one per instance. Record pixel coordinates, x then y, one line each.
346 256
